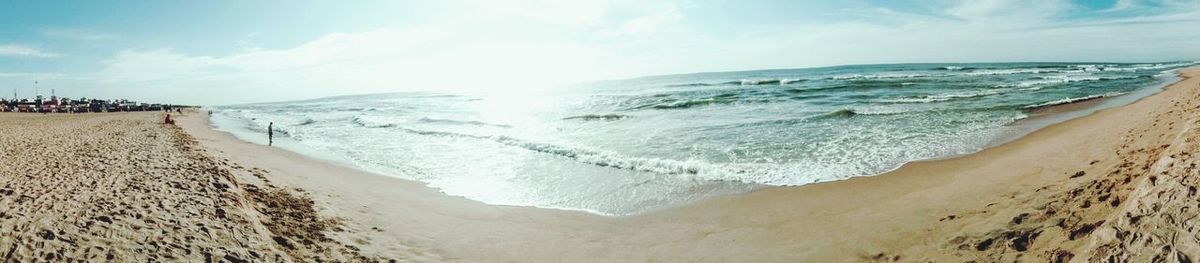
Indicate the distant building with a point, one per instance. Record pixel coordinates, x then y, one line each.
27 106
55 104
51 105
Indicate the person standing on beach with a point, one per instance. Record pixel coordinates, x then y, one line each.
271 134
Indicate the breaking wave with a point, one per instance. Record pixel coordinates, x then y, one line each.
744 82
944 97
748 82
990 72
880 76
587 156
461 122
723 99
306 121
1073 100
371 124
1059 79
848 113
1140 67
598 117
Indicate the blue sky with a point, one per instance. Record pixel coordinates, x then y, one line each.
214 52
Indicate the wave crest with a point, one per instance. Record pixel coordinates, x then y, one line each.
461 122
366 123
944 97
1073 100
595 157
743 82
598 117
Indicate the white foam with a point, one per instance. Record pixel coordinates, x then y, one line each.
1070 100
880 76
1139 67
946 97
989 72
700 169
1059 79
780 81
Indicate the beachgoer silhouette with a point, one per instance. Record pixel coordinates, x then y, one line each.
271 134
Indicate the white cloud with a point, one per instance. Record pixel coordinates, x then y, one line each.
648 24
150 65
574 14
346 63
510 47
1122 5
503 48
13 50
1008 11
988 34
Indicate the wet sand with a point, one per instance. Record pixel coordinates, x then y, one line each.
1115 184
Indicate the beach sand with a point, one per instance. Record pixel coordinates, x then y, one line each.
1115 184
124 187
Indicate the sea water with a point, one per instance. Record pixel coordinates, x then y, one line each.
629 146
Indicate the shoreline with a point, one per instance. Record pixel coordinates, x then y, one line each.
936 202
1045 116
1038 118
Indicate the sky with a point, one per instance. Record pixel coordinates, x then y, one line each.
226 52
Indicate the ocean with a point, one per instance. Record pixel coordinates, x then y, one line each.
629 146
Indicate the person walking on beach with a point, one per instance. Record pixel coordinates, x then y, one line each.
271 134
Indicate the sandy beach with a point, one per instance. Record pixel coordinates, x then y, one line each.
123 187
600 131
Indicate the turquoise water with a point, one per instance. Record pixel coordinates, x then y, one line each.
629 146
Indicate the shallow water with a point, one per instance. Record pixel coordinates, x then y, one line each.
629 146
